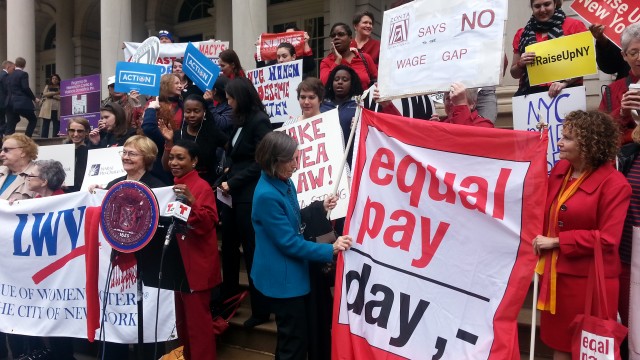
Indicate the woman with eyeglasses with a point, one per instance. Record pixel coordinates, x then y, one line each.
281 261
46 178
17 156
624 103
343 54
78 131
138 155
113 129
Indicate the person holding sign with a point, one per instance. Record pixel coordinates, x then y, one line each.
46 178
548 21
281 270
587 201
624 99
460 107
342 54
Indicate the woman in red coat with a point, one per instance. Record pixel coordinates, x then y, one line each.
343 54
199 250
587 201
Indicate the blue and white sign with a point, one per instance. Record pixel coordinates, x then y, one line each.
199 68
143 78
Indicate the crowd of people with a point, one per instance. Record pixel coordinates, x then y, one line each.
222 140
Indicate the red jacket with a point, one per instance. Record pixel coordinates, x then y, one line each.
329 62
462 115
596 210
618 88
371 47
200 246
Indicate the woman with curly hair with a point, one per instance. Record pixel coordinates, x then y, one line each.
587 201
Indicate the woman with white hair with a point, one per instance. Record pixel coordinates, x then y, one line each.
624 103
46 178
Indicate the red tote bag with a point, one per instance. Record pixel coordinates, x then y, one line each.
595 335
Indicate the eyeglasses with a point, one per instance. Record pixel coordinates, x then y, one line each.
633 54
7 149
30 176
338 34
130 154
78 131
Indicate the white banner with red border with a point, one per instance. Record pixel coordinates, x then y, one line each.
442 229
42 274
172 51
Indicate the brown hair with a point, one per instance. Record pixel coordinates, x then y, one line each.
78 120
597 136
166 86
311 84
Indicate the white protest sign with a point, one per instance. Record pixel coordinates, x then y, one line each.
170 52
276 85
427 45
43 274
103 165
65 154
528 109
321 148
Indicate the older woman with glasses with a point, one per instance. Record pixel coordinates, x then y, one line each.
624 103
138 155
46 178
17 156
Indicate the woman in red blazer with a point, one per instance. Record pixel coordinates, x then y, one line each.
587 201
199 250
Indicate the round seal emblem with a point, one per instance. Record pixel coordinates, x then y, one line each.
129 216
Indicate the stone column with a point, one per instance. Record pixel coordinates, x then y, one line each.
223 20
65 52
3 38
341 11
138 15
21 39
115 24
249 19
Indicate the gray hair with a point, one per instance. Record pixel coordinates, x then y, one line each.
472 96
53 172
275 147
632 32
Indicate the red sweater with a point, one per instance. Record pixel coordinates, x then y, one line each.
329 63
618 88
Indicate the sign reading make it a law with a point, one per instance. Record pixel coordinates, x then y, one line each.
143 78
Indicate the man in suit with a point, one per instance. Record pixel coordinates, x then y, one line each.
21 99
7 68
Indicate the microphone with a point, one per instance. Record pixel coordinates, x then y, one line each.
179 210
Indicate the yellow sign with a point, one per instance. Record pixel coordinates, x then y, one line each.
562 58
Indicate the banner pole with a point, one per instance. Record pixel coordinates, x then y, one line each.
354 126
532 344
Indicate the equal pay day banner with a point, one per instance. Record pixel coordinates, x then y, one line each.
424 42
442 259
528 110
42 275
170 52
277 85
321 151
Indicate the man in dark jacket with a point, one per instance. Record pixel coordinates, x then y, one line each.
21 99
7 68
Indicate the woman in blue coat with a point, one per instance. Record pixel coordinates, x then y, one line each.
280 267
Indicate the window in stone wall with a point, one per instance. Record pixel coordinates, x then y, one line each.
194 10
50 39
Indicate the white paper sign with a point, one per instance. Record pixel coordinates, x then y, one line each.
169 52
528 109
277 85
427 45
103 165
321 148
65 154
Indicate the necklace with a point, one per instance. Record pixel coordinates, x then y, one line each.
197 132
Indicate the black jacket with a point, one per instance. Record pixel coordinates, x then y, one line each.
20 95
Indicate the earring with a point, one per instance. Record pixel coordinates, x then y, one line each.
193 165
